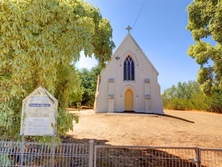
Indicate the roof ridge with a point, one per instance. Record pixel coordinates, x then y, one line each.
143 53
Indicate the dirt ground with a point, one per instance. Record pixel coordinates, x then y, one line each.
178 128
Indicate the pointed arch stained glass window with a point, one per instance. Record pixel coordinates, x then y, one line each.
129 71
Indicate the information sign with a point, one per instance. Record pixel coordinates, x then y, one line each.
39 113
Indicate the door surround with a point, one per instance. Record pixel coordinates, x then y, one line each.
135 97
129 100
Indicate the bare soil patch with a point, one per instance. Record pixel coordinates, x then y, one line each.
176 129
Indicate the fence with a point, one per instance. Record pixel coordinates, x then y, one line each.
44 154
130 156
18 154
211 157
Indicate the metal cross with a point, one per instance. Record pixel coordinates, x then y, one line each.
117 57
128 28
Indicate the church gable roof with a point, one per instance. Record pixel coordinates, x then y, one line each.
123 44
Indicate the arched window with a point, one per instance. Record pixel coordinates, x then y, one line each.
129 69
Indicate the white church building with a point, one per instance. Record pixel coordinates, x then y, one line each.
129 82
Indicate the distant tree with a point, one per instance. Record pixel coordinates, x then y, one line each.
89 82
181 90
205 21
189 96
39 42
216 102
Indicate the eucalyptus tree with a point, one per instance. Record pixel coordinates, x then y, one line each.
189 96
89 82
39 42
205 21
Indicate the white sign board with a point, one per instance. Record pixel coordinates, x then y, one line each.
39 113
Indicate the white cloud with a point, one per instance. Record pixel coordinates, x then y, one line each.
86 62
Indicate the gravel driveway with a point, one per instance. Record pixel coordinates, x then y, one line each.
178 128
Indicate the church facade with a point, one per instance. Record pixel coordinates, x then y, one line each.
129 82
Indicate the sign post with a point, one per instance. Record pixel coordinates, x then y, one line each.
39 113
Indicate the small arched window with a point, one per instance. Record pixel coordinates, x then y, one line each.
129 71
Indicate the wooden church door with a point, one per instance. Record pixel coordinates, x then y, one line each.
129 100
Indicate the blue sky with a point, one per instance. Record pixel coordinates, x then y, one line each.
160 31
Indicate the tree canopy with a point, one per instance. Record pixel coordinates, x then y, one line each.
39 42
188 96
205 21
89 83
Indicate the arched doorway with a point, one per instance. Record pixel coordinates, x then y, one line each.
129 100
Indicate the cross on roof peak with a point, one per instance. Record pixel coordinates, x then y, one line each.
128 28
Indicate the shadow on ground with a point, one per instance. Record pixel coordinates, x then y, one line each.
152 114
182 119
71 139
125 156
142 157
